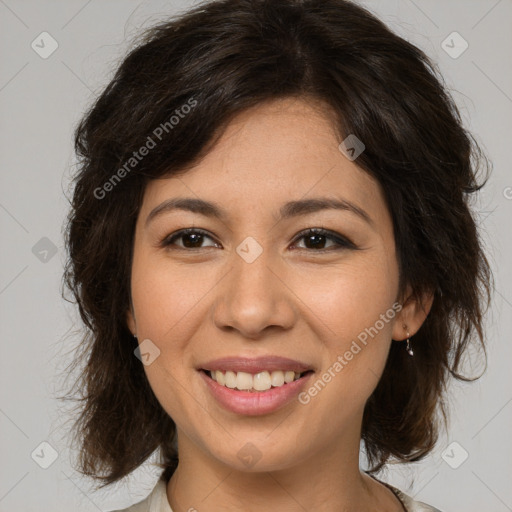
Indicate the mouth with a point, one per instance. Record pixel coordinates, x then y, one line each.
254 383
249 394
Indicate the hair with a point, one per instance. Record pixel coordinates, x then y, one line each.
221 58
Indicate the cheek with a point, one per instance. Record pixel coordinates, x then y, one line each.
166 297
172 304
357 306
351 298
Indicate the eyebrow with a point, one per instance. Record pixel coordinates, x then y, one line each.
287 211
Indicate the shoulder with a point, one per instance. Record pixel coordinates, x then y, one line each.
410 504
156 501
141 506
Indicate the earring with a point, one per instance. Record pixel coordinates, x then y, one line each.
135 336
408 346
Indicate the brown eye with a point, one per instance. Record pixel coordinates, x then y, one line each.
192 238
316 239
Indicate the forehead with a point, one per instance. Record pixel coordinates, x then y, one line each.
274 152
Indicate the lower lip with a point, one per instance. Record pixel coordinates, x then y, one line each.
258 402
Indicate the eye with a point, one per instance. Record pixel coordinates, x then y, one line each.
315 238
192 238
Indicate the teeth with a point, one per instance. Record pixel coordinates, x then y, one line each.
262 381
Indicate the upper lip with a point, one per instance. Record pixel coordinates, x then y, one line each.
255 365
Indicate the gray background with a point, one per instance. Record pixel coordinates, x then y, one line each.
40 102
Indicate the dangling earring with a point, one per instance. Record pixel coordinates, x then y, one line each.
408 346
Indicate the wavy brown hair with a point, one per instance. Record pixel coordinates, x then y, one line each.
227 56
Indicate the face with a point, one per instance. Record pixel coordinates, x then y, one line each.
253 283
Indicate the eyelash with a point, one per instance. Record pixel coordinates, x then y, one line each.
342 242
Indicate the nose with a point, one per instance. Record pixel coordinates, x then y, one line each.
255 297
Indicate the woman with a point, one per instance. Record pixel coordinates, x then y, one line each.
271 247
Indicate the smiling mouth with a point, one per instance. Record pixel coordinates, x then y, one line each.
254 383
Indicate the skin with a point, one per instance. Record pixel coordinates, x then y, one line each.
295 300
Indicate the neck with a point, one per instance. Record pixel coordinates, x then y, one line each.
325 481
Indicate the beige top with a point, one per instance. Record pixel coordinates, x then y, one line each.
156 501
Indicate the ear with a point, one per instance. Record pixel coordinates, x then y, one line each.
412 315
130 321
